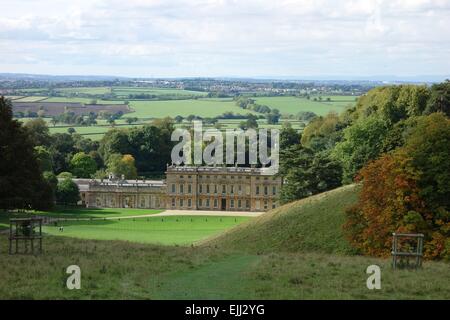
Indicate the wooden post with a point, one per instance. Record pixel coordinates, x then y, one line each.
17 240
40 236
10 238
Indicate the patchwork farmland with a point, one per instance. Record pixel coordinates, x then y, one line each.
145 104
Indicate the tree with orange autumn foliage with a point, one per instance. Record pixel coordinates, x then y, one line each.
406 191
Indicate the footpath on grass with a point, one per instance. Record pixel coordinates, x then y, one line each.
165 213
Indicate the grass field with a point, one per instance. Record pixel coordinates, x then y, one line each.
172 108
160 92
99 212
81 100
146 110
31 99
85 90
294 105
79 213
170 230
86 130
310 261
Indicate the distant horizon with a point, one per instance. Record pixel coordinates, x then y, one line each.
368 78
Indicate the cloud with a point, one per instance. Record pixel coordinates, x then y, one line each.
211 38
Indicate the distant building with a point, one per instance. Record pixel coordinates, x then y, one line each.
187 188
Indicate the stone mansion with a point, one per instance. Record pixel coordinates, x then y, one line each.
188 188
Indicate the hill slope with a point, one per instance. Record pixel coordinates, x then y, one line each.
311 224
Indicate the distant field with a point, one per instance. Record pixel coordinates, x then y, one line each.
82 100
31 99
146 110
181 230
294 105
85 90
13 97
125 91
199 107
86 129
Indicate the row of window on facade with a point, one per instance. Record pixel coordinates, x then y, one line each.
241 204
206 189
128 202
229 177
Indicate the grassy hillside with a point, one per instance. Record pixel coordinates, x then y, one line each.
127 270
248 262
311 224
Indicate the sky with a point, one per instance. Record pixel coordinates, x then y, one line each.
245 38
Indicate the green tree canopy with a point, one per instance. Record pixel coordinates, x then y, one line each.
21 181
362 142
122 165
82 165
67 192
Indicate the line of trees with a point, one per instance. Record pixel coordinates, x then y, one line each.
395 142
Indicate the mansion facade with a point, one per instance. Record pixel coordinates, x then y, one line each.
188 188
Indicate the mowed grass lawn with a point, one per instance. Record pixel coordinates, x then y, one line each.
78 213
167 230
98 212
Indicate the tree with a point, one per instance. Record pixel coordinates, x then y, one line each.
131 120
67 192
307 173
62 149
362 142
406 191
65 175
178 119
306 116
322 132
439 98
38 131
82 165
288 136
273 118
44 158
22 184
71 130
428 144
122 165
114 141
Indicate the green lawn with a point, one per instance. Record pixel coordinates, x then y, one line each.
99 212
180 230
79 213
